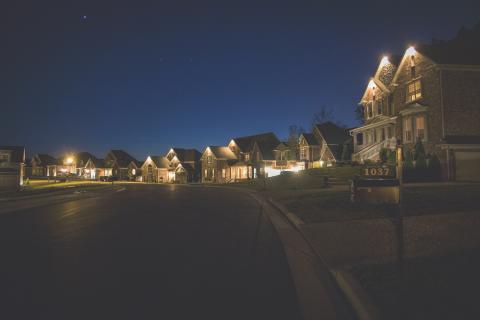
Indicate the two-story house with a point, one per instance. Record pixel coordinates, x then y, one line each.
123 165
70 165
324 146
431 94
12 162
184 165
155 169
40 163
217 165
252 152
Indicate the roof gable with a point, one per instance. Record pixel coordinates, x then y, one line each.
246 144
122 158
220 152
332 133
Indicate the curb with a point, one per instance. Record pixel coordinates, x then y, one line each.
364 308
361 303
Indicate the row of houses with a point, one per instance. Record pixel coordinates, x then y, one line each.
429 93
242 158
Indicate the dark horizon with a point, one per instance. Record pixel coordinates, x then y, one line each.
150 76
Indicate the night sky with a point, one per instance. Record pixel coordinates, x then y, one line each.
146 75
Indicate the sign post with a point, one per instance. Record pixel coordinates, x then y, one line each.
399 220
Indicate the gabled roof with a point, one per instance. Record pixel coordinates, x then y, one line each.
186 155
332 133
160 162
464 49
44 159
266 149
387 68
81 158
187 166
17 153
98 163
222 152
310 138
246 143
122 158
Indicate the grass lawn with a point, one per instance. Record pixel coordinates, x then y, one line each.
332 204
45 184
305 194
430 288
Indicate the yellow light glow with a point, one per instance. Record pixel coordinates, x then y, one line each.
69 160
371 85
384 61
411 51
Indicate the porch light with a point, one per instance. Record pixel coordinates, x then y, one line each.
69 160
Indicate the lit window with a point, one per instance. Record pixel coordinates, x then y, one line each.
247 157
302 153
209 159
407 129
224 173
414 91
134 172
420 127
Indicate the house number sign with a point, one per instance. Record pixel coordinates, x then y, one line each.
378 172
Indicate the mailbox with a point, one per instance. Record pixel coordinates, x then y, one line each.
377 185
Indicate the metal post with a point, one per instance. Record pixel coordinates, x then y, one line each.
399 222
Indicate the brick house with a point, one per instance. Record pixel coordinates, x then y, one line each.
96 168
184 165
40 163
273 159
324 145
431 93
217 165
12 163
123 165
70 165
252 152
155 169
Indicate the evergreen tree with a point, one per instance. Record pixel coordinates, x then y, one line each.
383 155
420 156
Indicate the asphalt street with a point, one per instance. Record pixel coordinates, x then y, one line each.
149 252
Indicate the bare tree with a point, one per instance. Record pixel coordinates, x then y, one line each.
325 115
294 133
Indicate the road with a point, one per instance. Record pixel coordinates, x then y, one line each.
149 252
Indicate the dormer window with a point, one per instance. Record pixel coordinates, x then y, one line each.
414 90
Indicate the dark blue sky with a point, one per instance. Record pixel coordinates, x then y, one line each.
147 75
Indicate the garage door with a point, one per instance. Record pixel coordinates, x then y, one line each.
467 165
8 181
